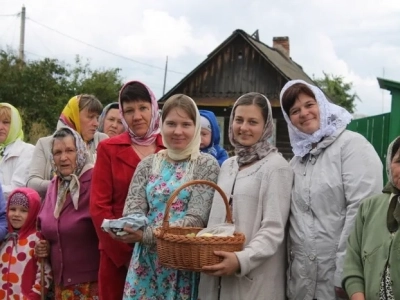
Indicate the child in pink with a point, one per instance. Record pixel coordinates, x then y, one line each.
20 271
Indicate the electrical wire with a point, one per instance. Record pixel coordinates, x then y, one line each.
104 50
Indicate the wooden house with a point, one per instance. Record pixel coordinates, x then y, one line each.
242 64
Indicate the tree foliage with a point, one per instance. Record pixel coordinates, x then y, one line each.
41 88
339 91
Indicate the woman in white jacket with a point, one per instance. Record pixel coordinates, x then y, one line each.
258 180
334 169
15 155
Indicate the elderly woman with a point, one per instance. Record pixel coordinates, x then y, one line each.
81 114
110 121
65 222
334 169
15 154
371 269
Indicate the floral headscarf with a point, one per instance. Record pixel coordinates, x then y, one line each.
71 183
15 132
154 128
332 117
102 118
248 154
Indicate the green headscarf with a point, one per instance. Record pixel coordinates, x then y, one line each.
15 132
393 217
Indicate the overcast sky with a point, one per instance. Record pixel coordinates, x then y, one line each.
358 39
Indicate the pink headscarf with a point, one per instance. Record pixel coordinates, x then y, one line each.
154 128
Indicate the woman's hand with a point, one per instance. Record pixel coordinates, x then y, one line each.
228 266
42 249
358 296
133 236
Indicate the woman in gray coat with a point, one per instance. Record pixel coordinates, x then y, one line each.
334 170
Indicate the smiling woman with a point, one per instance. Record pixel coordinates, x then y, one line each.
334 170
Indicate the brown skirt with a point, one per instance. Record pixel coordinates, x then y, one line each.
80 291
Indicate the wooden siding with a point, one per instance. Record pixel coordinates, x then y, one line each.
228 76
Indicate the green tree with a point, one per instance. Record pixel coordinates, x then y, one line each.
338 91
41 88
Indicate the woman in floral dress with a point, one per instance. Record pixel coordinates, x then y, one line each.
155 179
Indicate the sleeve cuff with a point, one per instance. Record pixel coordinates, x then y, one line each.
353 285
244 267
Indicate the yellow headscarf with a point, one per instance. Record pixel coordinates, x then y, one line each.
15 132
70 115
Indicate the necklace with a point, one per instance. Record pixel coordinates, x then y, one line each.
141 153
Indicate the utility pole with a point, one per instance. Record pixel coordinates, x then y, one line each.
22 35
165 75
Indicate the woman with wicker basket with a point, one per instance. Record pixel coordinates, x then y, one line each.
258 180
155 179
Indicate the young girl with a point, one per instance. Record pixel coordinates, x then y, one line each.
20 269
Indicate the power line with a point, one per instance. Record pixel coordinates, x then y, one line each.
103 50
14 15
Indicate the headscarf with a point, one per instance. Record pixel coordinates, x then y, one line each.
70 115
102 118
332 117
25 197
393 216
191 152
71 183
248 154
15 132
154 127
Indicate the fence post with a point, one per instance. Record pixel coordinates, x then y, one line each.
394 88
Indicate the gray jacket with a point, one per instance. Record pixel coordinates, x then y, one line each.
329 185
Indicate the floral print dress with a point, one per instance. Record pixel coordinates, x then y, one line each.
147 279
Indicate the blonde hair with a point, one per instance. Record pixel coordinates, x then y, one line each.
5 113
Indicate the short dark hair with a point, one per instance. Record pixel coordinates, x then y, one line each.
395 148
134 91
91 103
290 96
256 99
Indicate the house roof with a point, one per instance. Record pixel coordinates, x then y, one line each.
285 66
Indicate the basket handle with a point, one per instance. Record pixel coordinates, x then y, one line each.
185 185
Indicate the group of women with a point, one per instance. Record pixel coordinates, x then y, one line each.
297 217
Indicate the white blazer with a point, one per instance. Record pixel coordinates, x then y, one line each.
14 166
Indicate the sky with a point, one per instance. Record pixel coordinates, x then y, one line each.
357 39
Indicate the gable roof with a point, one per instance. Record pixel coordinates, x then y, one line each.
285 66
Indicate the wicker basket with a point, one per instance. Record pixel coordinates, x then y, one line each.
178 251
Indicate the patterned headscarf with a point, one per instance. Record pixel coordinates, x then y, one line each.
70 115
332 117
249 154
102 118
15 132
71 182
154 128
30 199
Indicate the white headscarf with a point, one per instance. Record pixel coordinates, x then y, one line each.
191 152
331 116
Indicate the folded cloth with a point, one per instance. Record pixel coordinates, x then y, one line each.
135 221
